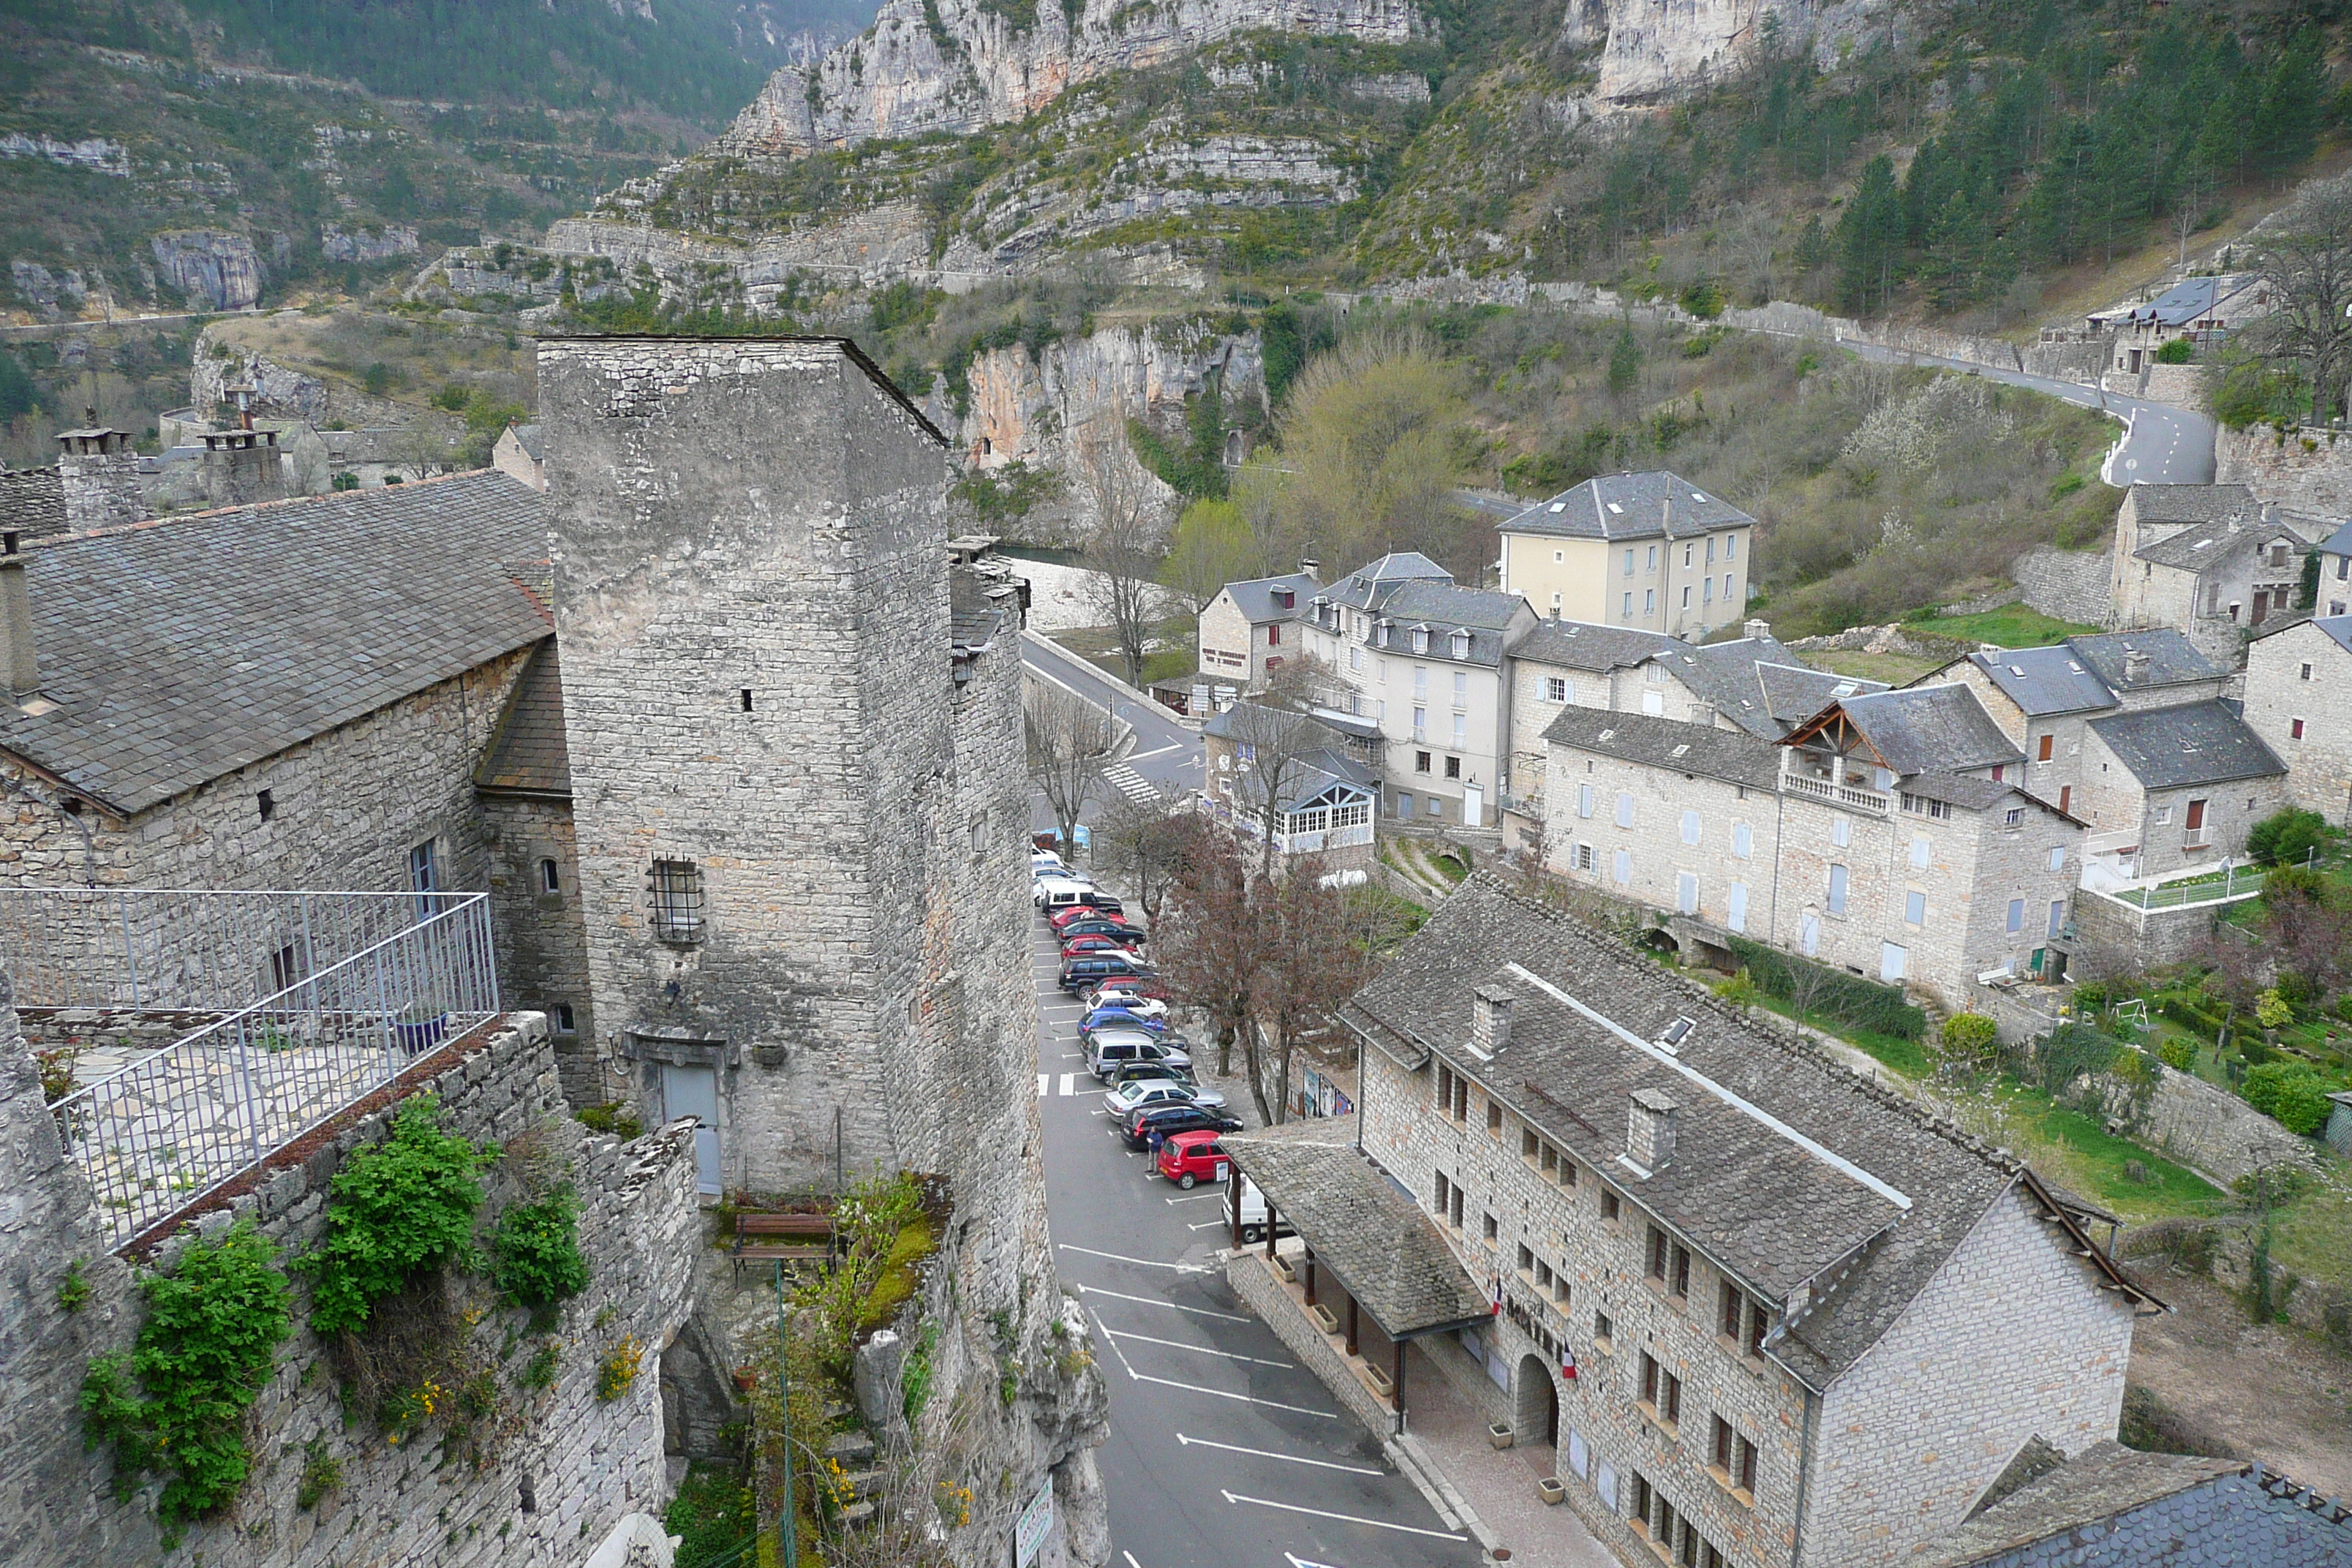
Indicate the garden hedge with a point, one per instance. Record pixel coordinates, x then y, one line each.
1847 998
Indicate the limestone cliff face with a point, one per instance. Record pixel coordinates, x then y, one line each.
215 269
980 65
1657 50
1035 410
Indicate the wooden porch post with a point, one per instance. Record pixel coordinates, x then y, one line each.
1310 1277
1273 1222
1234 1199
1351 1324
1399 1379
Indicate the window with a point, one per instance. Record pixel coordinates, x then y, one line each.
1527 1261
1608 1207
1920 853
1555 688
1841 830
285 970
1837 889
1624 809
1488 1228
743 696
1706 596
1421 762
1603 1330
1662 1391
1690 827
1453 1213
2306 668
678 901
1727 587
1654 558
1670 1263
1460 686
1419 722
1443 1188
2058 856
2016 916
565 1023
1421 683
2294 731
1584 800
1621 867
550 879
2013 816
424 868
1629 563
1453 764
2057 916
1494 1119
1686 594
1734 1460
1649 601
268 808
1915 907
1628 606
1452 1094
1735 907
1355 658
1710 550
2163 816
1743 840
1731 547
1404 805
1274 636
1686 892
1461 729
1686 554
1584 857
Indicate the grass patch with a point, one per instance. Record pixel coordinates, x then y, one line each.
1895 668
901 1270
1908 1058
1449 866
2312 1236
2077 1152
713 1513
2011 625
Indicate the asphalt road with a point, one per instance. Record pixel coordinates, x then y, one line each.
1224 1452
2165 445
1165 757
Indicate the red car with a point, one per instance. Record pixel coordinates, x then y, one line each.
1108 907
1084 944
1190 1158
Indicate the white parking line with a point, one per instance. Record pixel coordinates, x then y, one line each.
1207 1225
1156 1301
1343 1517
1069 1083
1196 1350
1146 1262
1261 1453
1041 1084
1215 1393
1195 1197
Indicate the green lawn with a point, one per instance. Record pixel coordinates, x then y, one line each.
1908 1058
2077 1152
1895 668
2011 625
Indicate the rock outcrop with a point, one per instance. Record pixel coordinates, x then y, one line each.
215 269
959 64
277 392
1035 409
1656 50
393 239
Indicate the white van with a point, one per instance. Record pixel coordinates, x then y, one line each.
1253 1213
1058 892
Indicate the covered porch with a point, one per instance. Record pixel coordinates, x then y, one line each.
1364 1273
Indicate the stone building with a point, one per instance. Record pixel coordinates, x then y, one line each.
1313 779
1563 664
1756 1309
1646 550
1248 629
1425 661
2209 561
2181 784
2203 311
518 452
2299 702
2335 583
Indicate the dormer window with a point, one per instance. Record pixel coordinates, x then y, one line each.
1460 644
1380 633
1286 599
1421 639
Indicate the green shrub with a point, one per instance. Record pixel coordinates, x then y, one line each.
2273 1011
539 1371
713 1516
1846 998
535 1251
2179 350
2286 838
2290 1093
2071 1051
2178 1054
321 1473
1967 1042
610 1117
73 1291
176 1402
395 1212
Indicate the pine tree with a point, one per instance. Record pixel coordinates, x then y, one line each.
1624 362
2286 125
1870 240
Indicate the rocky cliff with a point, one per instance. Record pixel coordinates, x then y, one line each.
1654 50
959 64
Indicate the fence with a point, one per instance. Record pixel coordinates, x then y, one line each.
2227 888
184 1121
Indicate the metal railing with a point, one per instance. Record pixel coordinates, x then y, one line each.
2226 887
180 1121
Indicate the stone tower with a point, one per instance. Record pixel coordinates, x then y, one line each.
795 756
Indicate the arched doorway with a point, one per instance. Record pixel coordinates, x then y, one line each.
1535 1403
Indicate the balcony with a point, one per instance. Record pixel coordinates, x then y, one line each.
1850 796
280 1010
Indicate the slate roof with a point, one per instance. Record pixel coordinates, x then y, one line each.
1255 598
32 502
1409 597
2198 742
181 649
2339 628
527 437
2043 680
2113 1507
1387 1253
2191 504
1733 756
1856 1195
2338 542
2172 658
1589 645
1922 729
1759 685
1628 506
528 754
2198 546
2184 302
1977 794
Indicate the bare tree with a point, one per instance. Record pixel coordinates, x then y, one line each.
1142 844
1313 962
1070 742
1129 537
1274 741
1207 944
2307 259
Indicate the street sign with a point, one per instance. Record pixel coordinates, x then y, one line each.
1036 1523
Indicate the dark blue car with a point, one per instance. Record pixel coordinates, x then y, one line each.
1118 1018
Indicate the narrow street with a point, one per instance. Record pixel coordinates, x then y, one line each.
1224 1452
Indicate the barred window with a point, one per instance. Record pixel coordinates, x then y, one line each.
678 901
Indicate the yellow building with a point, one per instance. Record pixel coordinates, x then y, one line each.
1648 551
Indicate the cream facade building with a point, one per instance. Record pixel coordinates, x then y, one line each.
2299 701
1650 552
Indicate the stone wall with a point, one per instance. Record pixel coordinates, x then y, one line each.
2300 471
2137 939
562 1467
2198 1123
541 937
2066 584
2296 687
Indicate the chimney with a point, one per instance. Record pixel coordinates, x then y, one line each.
1312 568
98 473
1756 630
2134 667
242 466
1490 1020
1650 1132
16 618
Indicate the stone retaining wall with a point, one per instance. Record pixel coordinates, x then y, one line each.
2223 1251
562 1467
2301 470
2066 584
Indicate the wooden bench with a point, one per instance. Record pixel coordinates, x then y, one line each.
784 1239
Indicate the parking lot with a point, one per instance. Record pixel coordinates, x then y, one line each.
1223 1451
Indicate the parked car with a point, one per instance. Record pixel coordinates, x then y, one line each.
1127 1097
1150 1008
1148 1070
1114 1018
1253 1213
1132 1045
1188 1159
1161 1121
1061 893
1117 929
1119 992
1086 972
1103 906
1075 945
1045 862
